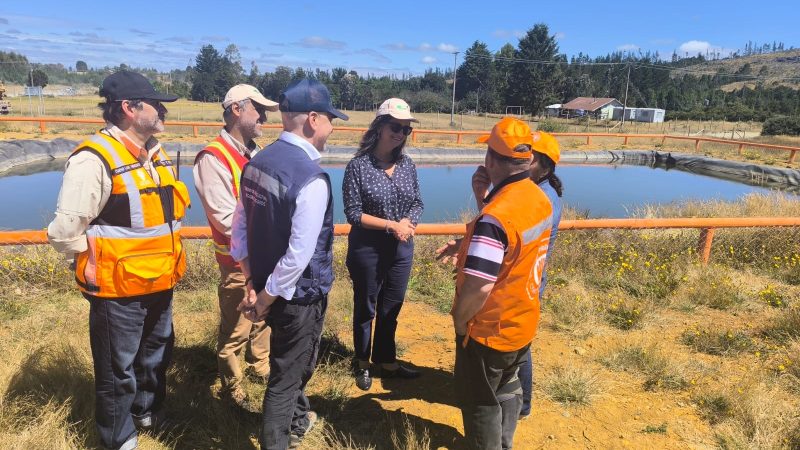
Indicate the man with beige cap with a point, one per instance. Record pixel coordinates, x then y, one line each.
217 172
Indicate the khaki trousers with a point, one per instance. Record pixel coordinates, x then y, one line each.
236 333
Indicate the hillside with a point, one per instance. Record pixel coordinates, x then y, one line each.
773 67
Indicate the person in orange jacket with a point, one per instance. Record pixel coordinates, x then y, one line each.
496 305
119 215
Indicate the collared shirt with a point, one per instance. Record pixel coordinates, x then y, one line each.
310 206
368 189
212 181
85 190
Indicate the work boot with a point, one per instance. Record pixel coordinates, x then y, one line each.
295 439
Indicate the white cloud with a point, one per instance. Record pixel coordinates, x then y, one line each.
693 47
321 42
423 47
374 54
560 35
428 60
628 47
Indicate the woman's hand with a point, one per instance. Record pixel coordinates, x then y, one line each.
402 230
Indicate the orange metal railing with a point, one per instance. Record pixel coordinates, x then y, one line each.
698 141
706 226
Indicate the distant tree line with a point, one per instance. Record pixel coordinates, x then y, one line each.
531 75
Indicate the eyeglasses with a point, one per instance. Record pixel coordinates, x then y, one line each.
397 128
154 103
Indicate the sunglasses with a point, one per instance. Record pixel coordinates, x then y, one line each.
397 128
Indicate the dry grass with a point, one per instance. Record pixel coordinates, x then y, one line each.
570 385
46 383
659 370
187 110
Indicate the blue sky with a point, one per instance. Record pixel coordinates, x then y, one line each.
372 36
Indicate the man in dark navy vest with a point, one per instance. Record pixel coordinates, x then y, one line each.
282 235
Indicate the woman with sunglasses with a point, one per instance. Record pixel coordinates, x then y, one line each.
383 204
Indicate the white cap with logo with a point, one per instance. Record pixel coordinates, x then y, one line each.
245 91
396 108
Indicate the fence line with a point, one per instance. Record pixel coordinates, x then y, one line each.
43 121
706 227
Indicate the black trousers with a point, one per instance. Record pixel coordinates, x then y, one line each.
379 266
489 393
294 347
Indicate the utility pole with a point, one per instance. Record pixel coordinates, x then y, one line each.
625 103
453 107
30 102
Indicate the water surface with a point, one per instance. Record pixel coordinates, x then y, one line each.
28 199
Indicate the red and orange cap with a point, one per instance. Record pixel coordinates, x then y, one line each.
506 135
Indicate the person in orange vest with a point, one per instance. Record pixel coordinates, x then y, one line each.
217 173
119 219
496 306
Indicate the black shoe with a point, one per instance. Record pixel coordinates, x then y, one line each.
295 439
363 379
401 372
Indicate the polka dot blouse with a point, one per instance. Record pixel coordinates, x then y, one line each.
369 190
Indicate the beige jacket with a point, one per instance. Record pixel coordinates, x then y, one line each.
212 181
84 193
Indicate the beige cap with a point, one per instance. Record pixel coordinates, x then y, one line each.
245 91
397 108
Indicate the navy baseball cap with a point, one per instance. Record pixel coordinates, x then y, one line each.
308 95
126 85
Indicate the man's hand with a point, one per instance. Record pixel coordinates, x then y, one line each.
255 306
461 328
449 251
480 184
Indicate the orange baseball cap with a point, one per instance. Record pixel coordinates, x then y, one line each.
547 144
506 135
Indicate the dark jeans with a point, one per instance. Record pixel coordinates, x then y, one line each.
294 345
526 379
132 340
379 266
488 393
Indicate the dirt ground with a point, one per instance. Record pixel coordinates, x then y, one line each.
616 419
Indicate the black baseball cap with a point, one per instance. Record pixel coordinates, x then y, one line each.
126 85
308 95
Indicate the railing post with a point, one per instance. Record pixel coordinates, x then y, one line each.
194 130
791 156
704 244
458 138
588 140
414 137
741 149
42 126
697 144
663 140
625 141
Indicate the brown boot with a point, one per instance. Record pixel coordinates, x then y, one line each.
238 398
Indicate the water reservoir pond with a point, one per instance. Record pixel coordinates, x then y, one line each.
28 201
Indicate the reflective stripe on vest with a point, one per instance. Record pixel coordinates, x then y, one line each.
147 256
236 171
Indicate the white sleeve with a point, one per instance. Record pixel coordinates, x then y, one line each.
239 233
309 213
